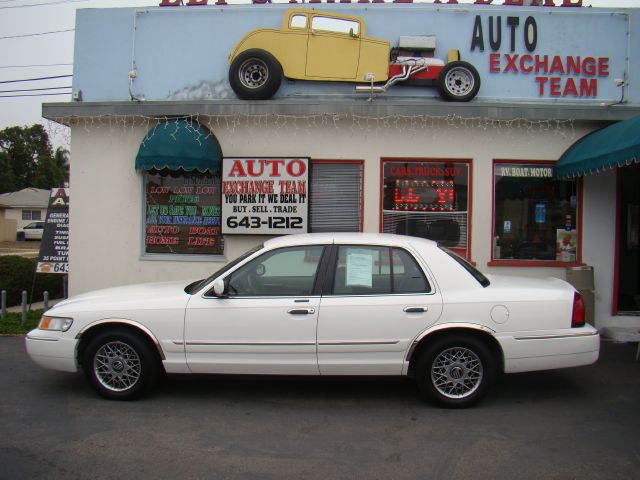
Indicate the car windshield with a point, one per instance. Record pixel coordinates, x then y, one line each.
197 285
475 273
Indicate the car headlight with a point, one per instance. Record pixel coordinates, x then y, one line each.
61 324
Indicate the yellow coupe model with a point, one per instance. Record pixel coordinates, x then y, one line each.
331 47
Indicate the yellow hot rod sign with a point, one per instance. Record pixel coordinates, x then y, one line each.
332 47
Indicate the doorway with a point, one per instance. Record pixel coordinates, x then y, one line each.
628 258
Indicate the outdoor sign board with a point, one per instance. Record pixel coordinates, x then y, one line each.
522 53
265 195
54 248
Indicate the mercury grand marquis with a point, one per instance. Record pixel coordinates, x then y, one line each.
324 304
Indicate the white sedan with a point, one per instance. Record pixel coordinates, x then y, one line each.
324 304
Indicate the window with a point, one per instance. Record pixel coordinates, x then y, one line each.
364 270
336 25
535 216
31 215
473 271
182 213
283 272
336 196
428 199
298 21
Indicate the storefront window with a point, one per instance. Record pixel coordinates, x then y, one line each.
428 199
182 213
535 216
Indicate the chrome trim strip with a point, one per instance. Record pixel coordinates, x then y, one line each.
548 337
390 342
250 344
131 323
43 339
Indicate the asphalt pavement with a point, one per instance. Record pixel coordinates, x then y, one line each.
581 423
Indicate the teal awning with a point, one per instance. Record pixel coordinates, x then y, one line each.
179 144
614 146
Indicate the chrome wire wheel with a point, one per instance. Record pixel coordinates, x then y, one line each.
456 372
459 81
117 366
253 73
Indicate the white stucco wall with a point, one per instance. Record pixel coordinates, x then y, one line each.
106 207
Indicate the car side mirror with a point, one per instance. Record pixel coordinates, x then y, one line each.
219 287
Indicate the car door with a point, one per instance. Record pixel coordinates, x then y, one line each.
380 300
267 322
333 48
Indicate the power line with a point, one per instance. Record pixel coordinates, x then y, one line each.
37 34
35 79
34 89
43 4
34 95
37 65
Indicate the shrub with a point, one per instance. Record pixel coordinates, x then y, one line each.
16 275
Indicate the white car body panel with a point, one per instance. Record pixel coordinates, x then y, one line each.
252 335
370 335
530 319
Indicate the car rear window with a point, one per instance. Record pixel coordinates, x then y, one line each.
475 273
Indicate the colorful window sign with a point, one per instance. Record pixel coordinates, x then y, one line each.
266 196
182 213
427 199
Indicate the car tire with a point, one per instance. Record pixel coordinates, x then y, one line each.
455 370
255 75
458 82
20 237
120 365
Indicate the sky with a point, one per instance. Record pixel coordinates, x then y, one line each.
28 51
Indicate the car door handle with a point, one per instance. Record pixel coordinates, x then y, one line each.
415 309
301 311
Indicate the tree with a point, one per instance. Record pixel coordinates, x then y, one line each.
7 178
27 160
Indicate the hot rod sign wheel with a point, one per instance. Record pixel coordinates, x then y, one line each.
255 75
458 82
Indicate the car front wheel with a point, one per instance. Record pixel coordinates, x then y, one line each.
120 365
456 370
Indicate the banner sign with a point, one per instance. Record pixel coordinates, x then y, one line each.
265 196
54 249
525 171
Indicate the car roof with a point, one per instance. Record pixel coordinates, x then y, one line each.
346 238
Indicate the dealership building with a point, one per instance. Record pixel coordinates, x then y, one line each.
173 175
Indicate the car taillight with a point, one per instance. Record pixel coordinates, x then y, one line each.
578 315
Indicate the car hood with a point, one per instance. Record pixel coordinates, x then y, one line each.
142 296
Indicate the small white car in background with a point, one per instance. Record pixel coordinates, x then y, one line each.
324 304
31 231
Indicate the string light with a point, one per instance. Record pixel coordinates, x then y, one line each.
236 126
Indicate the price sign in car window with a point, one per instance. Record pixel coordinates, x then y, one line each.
359 269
